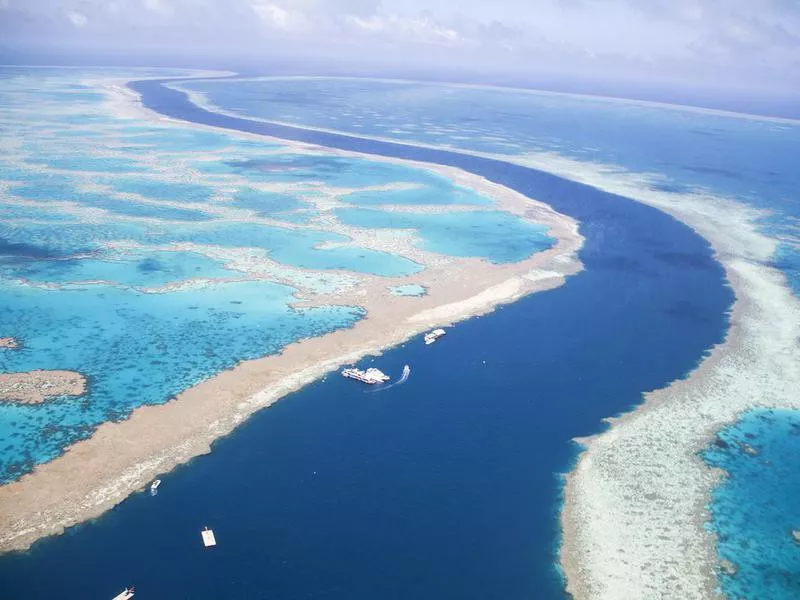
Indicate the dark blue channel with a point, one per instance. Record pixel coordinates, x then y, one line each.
445 487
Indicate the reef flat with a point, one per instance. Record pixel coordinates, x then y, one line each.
37 386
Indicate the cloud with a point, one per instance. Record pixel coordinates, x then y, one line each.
728 40
77 19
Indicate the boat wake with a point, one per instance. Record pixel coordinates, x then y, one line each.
403 379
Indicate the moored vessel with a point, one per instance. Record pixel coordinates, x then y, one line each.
208 537
370 376
434 335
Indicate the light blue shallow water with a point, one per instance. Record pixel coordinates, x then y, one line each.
497 236
412 289
756 508
139 269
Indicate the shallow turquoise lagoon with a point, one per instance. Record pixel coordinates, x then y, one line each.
136 349
107 164
432 194
266 204
178 139
54 188
496 236
297 247
139 269
755 509
164 190
336 171
411 289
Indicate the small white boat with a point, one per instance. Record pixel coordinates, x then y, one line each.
124 594
433 336
208 537
154 487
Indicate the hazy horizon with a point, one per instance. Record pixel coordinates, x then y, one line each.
734 54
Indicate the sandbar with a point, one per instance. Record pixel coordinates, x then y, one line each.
34 387
120 458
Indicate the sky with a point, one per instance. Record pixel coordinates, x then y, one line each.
732 44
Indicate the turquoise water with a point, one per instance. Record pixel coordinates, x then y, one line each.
267 204
139 269
135 349
431 195
496 236
119 247
411 289
755 509
164 190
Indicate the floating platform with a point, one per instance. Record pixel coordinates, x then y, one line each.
208 537
370 376
124 595
433 336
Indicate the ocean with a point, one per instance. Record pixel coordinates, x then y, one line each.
445 486
655 149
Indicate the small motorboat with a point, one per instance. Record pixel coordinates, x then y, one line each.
208 537
125 594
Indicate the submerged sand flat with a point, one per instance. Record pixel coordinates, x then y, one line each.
120 458
37 386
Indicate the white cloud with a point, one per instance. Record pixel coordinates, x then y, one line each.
159 7
76 18
726 39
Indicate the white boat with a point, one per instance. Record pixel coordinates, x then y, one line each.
434 335
124 594
208 537
370 376
154 487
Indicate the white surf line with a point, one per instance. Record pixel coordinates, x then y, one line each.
634 510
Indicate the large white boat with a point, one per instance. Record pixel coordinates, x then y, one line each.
154 487
370 376
433 336
125 594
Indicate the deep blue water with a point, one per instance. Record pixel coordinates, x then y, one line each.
444 487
